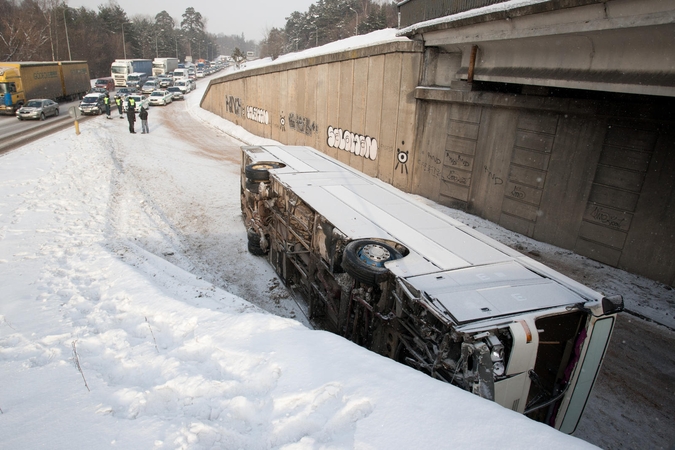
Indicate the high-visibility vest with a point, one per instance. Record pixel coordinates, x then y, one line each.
132 103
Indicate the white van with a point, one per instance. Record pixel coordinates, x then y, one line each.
180 73
183 84
399 278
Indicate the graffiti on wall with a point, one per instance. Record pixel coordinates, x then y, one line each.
302 124
401 159
357 144
234 105
258 115
431 165
518 193
606 217
493 176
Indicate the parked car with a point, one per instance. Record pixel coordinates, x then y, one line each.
184 85
38 109
160 97
150 86
92 104
176 93
139 100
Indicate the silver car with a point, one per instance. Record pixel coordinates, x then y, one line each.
150 86
176 92
38 109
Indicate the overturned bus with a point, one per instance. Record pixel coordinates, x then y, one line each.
395 276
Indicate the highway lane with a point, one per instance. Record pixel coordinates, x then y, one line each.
14 132
9 125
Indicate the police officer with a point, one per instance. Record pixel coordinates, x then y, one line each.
131 103
106 102
118 102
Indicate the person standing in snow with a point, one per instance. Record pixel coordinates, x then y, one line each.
144 120
131 117
106 102
118 102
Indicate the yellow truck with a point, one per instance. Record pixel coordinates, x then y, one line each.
56 80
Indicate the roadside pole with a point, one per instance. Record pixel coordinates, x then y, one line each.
74 112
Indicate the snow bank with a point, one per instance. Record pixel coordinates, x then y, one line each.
106 343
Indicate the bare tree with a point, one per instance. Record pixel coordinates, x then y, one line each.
22 35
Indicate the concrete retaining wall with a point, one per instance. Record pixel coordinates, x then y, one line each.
596 177
357 106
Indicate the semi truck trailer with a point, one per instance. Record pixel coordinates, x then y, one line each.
22 81
164 66
121 68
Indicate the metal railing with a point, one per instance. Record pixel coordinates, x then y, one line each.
415 11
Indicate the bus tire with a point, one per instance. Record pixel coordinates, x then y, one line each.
252 186
254 244
364 260
260 171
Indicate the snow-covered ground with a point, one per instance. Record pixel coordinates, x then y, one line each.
120 258
132 316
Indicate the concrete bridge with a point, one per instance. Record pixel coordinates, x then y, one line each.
554 119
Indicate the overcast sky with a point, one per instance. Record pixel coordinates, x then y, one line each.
251 17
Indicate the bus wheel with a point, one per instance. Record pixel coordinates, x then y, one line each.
364 260
254 244
260 171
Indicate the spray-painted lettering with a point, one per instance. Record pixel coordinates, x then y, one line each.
234 105
257 115
357 144
457 177
606 217
302 124
493 177
456 160
518 193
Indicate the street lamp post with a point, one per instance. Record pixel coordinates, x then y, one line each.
316 29
70 57
124 44
156 48
356 28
